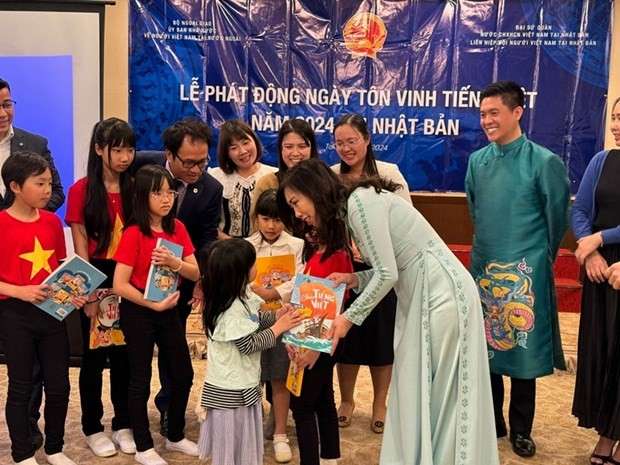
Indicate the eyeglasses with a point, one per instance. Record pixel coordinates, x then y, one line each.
8 104
347 143
188 164
159 195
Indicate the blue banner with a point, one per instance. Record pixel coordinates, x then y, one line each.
413 69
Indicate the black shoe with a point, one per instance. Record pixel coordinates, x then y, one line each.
500 429
163 424
522 445
36 436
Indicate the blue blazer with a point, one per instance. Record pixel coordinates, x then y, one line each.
24 140
202 205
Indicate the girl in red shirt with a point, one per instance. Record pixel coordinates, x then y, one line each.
96 207
146 323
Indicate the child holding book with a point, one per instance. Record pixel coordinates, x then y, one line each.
238 157
146 323
326 251
33 245
271 240
96 232
238 331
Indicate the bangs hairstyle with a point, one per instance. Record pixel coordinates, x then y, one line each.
150 178
20 166
224 266
359 124
267 204
303 130
510 92
232 131
110 133
315 180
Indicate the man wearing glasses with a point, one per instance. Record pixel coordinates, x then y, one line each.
198 207
13 139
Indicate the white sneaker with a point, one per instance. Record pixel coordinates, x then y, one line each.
59 459
329 461
281 449
184 445
124 439
101 445
28 461
150 457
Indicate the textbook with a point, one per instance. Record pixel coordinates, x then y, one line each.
105 330
320 303
75 277
162 281
274 271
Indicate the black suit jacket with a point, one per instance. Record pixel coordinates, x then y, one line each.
24 140
202 205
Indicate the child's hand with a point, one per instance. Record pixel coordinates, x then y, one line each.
198 297
161 256
284 309
292 351
79 301
91 309
166 304
287 320
307 359
32 294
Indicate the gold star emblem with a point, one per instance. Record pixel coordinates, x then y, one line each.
39 258
115 238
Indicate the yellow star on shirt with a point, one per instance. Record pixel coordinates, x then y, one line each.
39 258
115 237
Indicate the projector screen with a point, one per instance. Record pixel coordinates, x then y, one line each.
51 55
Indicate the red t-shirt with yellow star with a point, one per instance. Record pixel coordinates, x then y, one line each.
75 214
135 250
30 251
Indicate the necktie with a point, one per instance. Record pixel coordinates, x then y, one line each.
180 188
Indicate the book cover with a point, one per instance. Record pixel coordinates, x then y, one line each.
162 281
321 303
273 271
75 277
105 329
294 379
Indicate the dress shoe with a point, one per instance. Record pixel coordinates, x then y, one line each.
522 445
163 424
35 434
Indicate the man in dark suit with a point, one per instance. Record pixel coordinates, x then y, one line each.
199 206
13 139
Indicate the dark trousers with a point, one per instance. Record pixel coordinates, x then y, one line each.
522 403
91 382
162 398
316 406
26 332
143 328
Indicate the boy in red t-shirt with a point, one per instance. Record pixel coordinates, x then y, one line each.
33 245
